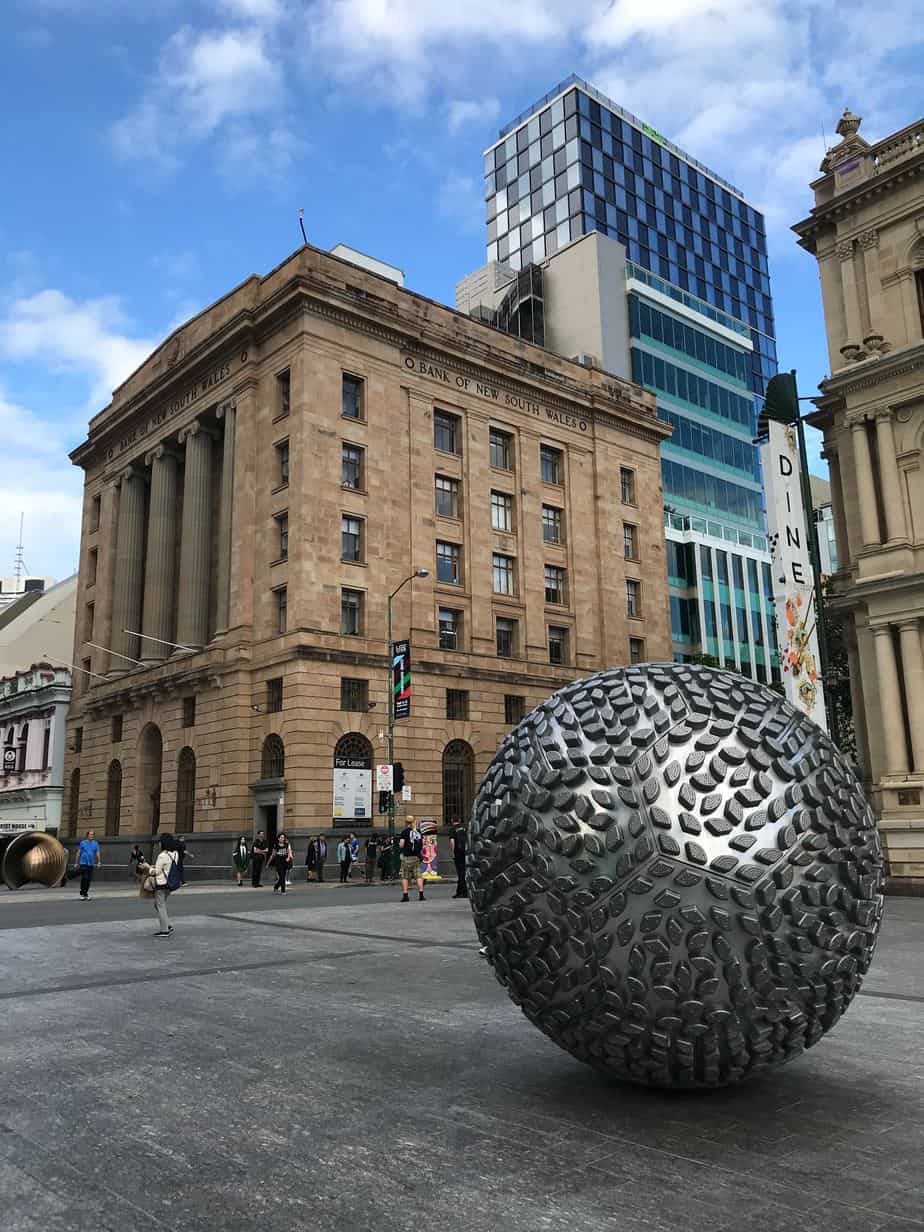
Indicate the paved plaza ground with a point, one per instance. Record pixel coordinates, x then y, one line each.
338 1060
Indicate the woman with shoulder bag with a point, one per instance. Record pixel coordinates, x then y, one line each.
156 880
282 860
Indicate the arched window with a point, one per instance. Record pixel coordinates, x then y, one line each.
113 797
185 791
148 780
458 782
354 752
273 760
74 804
23 746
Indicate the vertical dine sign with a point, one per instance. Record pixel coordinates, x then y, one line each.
793 578
401 679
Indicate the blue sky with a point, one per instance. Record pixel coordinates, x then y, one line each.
155 154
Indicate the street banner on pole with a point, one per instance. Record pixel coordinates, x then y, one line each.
401 679
793 577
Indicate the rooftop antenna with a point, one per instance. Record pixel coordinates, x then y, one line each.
20 564
301 223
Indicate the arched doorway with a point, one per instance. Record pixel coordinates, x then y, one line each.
150 769
458 782
73 809
269 792
352 779
113 798
185 791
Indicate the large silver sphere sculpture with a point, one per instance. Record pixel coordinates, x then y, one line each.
676 875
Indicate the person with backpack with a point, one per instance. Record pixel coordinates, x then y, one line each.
458 844
410 845
167 876
282 861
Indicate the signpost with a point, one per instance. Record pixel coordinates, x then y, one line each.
383 778
401 679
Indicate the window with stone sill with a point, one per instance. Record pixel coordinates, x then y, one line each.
189 712
457 704
630 541
450 627
282 526
282 609
353 402
95 507
447 432
449 563
89 622
502 512
558 645
352 611
551 464
92 564
282 464
627 485
354 694
352 466
505 636
447 497
555 584
636 650
633 598
78 739
283 392
274 695
500 446
351 539
503 574
116 728
552 526
514 709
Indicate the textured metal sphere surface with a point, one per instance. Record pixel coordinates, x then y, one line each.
676 875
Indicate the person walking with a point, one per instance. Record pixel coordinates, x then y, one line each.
311 859
385 859
410 845
241 859
87 862
354 850
258 853
137 857
168 858
372 855
322 856
282 860
344 859
182 855
457 845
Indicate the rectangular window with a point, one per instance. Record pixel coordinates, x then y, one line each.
552 525
504 576
282 606
449 563
447 497
352 611
95 507
282 524
92 564
46 746
87 675
351 539
282 464
89 621
502 512
353 407
636 650
354 694
630 541
457 703
351 466
555 590
78 740
633 597
189 712
506 637
500 446
627 485
558 644
283 389
446 432
274 695
116 728
551 464
514 708
919 280
450 629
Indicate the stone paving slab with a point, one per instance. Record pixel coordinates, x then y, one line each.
356 1066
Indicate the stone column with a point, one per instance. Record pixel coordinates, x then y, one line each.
193 595
837 508
891 483
851 298
869 245
909 633
890 702
129 567
160 574
228 413
866 491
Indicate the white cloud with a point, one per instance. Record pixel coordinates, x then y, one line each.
465 112
67 335
264 156
254 10
204 79
459 198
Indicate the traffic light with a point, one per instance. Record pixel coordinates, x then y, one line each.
384 801
398 779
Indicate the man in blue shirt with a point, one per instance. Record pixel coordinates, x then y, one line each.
87 861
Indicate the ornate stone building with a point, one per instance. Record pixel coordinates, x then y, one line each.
867 232
268 477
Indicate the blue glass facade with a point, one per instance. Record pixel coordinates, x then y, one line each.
578 162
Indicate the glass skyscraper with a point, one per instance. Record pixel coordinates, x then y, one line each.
700 334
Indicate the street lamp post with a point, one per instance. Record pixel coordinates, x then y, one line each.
391 700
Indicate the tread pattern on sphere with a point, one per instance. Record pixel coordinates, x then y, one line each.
676 875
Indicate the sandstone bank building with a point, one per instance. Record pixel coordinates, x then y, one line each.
265 480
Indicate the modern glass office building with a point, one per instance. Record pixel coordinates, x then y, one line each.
700 334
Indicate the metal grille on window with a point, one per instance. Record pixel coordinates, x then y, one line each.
186 791
273 758
458 782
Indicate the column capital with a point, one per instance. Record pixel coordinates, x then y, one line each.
226 408
869 239
132 471
844 250
196 428
164 450
911 622
880 630
882 413
830 453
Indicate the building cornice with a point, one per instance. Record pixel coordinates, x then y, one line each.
830 212
871 372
